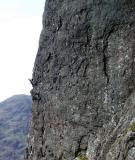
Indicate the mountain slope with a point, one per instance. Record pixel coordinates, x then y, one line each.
15 113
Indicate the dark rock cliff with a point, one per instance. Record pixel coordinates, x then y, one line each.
83 82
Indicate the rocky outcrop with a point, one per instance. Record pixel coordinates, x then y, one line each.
83 82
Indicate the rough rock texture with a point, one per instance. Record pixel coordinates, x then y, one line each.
83 82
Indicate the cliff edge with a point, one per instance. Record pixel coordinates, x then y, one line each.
84 82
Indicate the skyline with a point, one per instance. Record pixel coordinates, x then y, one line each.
22 7
20 27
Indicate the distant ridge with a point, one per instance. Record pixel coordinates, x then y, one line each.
15 113
15 97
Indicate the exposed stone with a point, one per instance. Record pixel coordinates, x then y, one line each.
83 81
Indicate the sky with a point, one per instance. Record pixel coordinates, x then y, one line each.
20 27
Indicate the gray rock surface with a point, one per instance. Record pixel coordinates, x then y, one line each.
83 82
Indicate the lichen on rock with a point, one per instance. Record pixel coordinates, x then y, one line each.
82 156
132 127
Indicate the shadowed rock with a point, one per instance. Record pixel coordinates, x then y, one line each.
84 77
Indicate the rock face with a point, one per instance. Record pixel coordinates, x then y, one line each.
15 113
83 82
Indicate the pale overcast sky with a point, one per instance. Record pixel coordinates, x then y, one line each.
20 27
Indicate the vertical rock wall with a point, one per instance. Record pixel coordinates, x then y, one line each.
83 82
